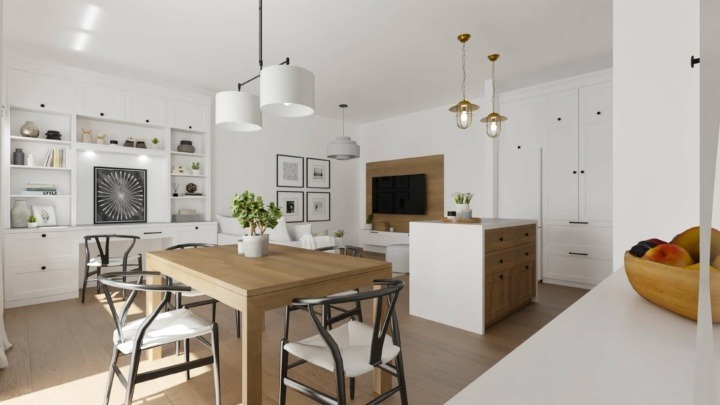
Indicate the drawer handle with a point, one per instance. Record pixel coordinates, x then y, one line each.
501 239
527 253
559 119
501 261
374 232
152 233
502 276
42 105
43 268
148 121
190 127
196 227
578 222
527 267
578 254
43 235
598 113
527 233
102 114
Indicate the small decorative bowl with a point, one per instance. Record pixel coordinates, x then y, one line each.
672 288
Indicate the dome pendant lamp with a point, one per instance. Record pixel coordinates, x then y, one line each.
463 110
494 120
343 148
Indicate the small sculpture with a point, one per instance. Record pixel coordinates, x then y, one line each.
87 135
191 188
175 189
100 139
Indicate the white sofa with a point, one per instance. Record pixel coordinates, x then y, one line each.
283 234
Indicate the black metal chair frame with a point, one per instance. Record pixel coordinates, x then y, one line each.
389 291
356 313
211 301
104 254
113 280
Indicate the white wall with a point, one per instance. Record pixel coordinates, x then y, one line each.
468 153
246 161
655 128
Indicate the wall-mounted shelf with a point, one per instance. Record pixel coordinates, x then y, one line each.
199 197
39 196
189 175
115 121
188 154
16 138
101 148
39 168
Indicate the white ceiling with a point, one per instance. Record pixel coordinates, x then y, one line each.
382 57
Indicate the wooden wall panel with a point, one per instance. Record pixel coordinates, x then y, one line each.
434 169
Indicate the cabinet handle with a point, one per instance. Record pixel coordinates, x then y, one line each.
577 254
527 233
190 127
501 239
42 105
502 276
527 267
43 268
582 171
43 235
518 146
559 119
152 233
502 261
598 113
102 114
196 227
148 121
374 232
578 222
527 253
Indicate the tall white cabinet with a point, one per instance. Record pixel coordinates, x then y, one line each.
571 122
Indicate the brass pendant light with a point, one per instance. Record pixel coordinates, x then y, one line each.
494 120
464 109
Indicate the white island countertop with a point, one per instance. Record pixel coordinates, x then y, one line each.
610 347
488 223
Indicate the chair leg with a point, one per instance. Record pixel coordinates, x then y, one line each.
187 358
214 310
111 376
216 361
237 324
178 299
283 372
132 375
340 381
359 309
352 388
401 378
87 275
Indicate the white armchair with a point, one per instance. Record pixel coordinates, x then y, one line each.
283 234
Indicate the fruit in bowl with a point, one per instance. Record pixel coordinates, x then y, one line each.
672 255
690 241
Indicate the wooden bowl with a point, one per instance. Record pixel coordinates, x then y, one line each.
673 288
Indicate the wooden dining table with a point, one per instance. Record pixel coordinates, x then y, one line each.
256 285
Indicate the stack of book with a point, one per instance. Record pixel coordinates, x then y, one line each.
57 157
35 188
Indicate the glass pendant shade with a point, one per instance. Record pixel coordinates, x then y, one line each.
237 111
493 124
463 113
343 148
287 91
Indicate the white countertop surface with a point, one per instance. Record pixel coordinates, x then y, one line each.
488 223
610 347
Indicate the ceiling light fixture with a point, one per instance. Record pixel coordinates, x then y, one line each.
493 120
285 91
343 148
464 109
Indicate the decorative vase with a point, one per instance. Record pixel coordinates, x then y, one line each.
129 142
32 224
18 157
464 214
86 135
100 139
256 245
19 214
29 130
461 207
186 146
30 159
140 144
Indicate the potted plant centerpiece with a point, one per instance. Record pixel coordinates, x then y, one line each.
32 222
462 204
195 168
368 222
251 212
339 236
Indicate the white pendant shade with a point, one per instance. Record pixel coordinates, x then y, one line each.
287 91
237 111
343 148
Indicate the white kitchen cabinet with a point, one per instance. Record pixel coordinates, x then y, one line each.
188 116
377 241
145 109
522 129
100 101
37 91
561 171
561 109
595 157
196 233
41 280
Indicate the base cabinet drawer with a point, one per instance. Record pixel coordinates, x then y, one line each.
39 248
34 281
576 269
200 233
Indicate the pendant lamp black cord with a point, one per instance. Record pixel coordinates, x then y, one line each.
260 36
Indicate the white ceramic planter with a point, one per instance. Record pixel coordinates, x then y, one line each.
255 246
195 172
367 227
461 207
32 224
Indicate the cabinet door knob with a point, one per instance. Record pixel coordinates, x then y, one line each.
527 233
598 113
43 268
518 146
574 171
582 171
42 105
502 238
102 114
148 121
559 119
43 235
190 127
501 261
527 253
502 276
527 267
196 227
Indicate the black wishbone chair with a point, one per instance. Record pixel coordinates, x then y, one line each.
156 329
350 350
356 313
105 260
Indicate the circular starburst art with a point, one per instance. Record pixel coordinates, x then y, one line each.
119 195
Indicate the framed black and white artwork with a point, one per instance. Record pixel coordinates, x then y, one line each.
292 205
290 171
120 195
318 173
45 215
318 206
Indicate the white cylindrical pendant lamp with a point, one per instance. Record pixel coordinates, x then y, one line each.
287 91
343 148
237 111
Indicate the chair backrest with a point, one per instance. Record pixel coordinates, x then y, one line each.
346 250
190 246
384 317
105 251
119 280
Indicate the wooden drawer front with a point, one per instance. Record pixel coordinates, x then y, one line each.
523 283
499 261
40 248
524 253
525 234
497 295
27 282
498 239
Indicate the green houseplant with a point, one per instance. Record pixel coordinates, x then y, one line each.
462 204
252 213
369 222
155 142
195 168
32 222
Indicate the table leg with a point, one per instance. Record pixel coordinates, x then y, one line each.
252 328
152 300
382 380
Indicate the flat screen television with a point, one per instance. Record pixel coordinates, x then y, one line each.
399 194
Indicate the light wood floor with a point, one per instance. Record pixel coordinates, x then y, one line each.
62 351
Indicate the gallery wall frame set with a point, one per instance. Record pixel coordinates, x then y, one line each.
292 205
317 173
299 172
317 206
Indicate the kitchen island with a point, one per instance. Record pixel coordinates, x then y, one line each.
471 275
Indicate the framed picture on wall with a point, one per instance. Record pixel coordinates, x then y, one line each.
317 173
292 205
290 171
45 215
318 206
120 195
